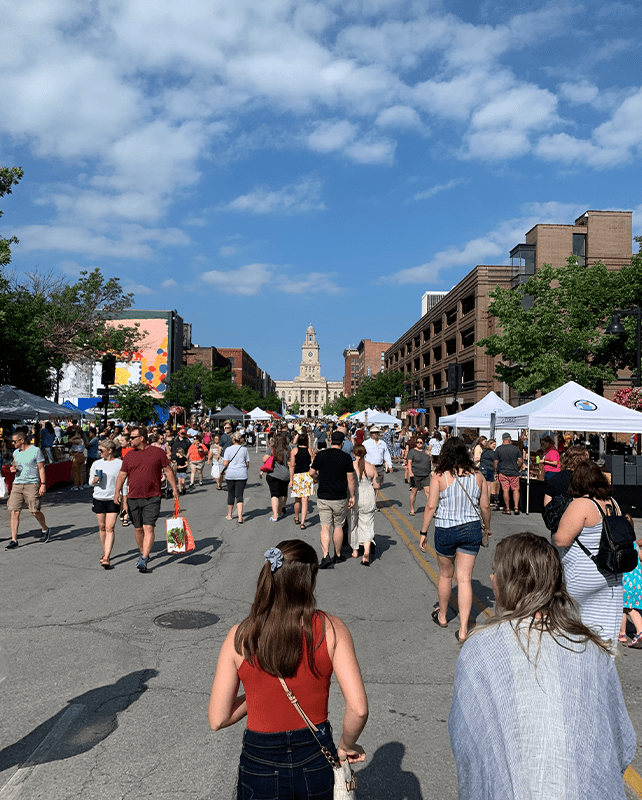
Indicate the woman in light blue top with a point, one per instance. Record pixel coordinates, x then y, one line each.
458 500
537 709
236 460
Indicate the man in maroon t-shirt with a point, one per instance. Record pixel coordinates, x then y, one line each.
143 467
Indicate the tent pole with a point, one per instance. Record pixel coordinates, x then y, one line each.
528 474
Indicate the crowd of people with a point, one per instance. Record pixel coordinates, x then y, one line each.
529 682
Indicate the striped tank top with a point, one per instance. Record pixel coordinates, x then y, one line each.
454 507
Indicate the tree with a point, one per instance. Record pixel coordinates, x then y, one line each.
9 177
271 402
381 391
327 408
560 335
180 385
295 407
135 404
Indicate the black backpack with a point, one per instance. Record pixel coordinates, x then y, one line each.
554 511
616 552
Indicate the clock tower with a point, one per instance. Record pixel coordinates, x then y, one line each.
310 368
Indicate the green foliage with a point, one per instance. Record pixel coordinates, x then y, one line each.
295 408
379 392
217 390
327 408
561 336
272 402
180 385
9 176
135 404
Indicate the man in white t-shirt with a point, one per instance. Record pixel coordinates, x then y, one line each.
28 486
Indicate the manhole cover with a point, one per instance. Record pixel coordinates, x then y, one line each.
186 619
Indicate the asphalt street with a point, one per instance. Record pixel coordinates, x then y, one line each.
102 702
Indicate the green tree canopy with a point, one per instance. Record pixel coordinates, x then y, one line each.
552 326
379 392
135 404
9 177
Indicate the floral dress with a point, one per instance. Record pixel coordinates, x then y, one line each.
632 586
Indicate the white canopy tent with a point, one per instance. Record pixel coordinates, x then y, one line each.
258 415
381 418
361 416
478 416
571 407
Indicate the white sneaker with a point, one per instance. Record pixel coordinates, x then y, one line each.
74 489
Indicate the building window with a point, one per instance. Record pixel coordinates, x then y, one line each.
416 364
417 341
369 371
451 346
468 304
468 371
451 316
579 247
436 353
382 368
436 380
468 337
383 356
426 334
437 327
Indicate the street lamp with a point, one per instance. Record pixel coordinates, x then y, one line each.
615 328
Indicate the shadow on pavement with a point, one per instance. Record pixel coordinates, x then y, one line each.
384 778
97 719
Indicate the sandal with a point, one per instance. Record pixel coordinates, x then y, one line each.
623 638
460 641
636 642
506 512
125 522
297 521
435 618
302 526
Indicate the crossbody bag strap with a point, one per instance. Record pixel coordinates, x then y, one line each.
334 763
583 547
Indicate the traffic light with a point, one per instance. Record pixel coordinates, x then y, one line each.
454 377
196 392
108 374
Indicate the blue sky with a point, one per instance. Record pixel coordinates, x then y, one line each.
262 165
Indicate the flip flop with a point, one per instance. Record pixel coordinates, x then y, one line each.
435 618
459 641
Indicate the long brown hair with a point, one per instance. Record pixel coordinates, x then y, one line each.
270 637
454 456
588 479
280 448
529 580
574 456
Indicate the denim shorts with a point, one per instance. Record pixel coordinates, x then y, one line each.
488 473
464 538
286 764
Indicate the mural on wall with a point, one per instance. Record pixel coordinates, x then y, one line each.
148 365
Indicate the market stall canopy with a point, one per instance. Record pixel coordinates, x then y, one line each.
574 408
478 416
229 412
18 404
257 414
361 415
70 405
381 418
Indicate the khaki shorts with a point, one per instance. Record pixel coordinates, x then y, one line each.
332 512
24 493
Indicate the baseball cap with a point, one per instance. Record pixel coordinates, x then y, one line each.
337 437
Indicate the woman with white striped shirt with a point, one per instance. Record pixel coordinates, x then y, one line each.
457 496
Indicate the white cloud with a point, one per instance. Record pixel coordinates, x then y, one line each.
138 289
170 283
439 187
329 136
296 198
314 283
227 250
614 142
245 281
492 248
398 117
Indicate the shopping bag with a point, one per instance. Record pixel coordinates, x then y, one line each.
179 535
216 469
3 488
269 465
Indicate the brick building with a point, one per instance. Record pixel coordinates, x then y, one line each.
361 362
209 357
245 371
446 333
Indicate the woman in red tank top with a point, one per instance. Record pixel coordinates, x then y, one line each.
285 636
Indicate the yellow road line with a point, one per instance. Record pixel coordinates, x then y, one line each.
632 778
479 604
